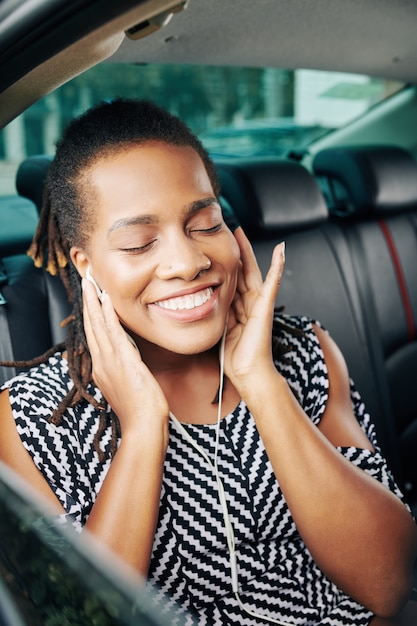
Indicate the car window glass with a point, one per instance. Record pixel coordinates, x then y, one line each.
235 111
50 576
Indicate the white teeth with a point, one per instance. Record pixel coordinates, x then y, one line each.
191 301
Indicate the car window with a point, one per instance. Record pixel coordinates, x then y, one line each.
235 111
51 576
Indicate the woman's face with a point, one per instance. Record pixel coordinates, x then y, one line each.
160 247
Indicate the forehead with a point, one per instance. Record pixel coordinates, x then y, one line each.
144 162
149 156
149 177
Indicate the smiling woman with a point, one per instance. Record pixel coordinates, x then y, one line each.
202 454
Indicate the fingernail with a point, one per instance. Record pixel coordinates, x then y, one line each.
283 249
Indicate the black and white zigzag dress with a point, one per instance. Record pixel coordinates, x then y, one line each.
190 562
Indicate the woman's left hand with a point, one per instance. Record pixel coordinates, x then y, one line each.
248 349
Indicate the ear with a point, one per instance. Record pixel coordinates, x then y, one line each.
80 259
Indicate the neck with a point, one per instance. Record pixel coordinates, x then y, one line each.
190 382
163 362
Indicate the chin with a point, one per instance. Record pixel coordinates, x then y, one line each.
192 342
193 347
189 339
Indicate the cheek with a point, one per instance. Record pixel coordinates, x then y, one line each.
232 261
124 282
234 255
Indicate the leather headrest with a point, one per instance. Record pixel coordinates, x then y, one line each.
370 179
30 178
272 196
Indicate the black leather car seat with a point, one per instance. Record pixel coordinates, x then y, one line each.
35 302
372 191
276 200
31 176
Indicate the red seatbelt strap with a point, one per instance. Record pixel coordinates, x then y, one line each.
400 278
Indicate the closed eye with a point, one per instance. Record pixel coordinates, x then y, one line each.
138 249
212 229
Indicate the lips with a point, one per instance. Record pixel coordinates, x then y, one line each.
186 302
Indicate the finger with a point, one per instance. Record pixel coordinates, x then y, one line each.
251 273
91 311
118 335
231 319
241 280
238 308
274 275
101 324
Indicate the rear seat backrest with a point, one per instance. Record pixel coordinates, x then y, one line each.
276 200
36 302
253 187
375 188
31 176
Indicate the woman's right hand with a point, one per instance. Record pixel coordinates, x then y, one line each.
117 367
125 511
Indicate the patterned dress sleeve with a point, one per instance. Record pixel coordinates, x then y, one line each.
63 453
372 462
306 373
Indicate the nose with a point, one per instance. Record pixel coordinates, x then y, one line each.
182 258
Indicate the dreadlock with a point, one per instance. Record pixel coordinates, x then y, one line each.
67 217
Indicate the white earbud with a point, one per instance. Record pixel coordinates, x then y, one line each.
91 279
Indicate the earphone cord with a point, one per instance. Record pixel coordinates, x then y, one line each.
230 538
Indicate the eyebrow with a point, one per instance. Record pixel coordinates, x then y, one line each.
151 218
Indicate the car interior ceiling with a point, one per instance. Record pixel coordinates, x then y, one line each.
353 209
198 34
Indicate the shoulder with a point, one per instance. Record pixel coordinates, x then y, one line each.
316 370
296 334
62 454
300 326
299 357
33 396
14 454
50 380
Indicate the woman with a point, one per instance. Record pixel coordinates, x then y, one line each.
258 494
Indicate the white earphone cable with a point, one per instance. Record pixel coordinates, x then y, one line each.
230 538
